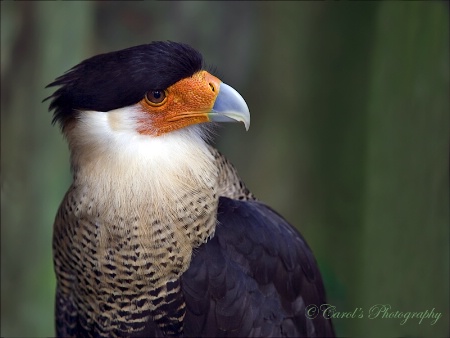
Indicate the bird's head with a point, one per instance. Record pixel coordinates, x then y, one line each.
151 90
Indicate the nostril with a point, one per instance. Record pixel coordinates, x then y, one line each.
212 87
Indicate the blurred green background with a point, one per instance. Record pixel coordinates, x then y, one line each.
349 139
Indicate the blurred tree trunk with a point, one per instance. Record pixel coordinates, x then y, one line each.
336 127
406 225
42 40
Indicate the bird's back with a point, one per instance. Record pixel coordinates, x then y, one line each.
254 278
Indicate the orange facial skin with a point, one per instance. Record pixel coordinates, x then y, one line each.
187 102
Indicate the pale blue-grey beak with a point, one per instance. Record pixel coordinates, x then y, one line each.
230 106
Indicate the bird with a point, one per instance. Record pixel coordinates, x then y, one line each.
157 234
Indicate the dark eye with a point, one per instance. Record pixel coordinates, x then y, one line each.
155 97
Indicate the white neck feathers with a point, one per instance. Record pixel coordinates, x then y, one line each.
128 171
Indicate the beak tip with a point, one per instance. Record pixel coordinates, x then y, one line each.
247 125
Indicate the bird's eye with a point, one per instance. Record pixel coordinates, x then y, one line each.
155 97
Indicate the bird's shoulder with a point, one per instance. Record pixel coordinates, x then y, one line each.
253 278
229 183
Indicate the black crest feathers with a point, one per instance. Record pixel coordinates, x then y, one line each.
121 78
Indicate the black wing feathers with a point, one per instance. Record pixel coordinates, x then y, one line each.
253 278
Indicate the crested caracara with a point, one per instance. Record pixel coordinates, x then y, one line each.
158 235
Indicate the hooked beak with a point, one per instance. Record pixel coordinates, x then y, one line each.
229 106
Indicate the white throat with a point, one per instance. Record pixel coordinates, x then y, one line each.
131 172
